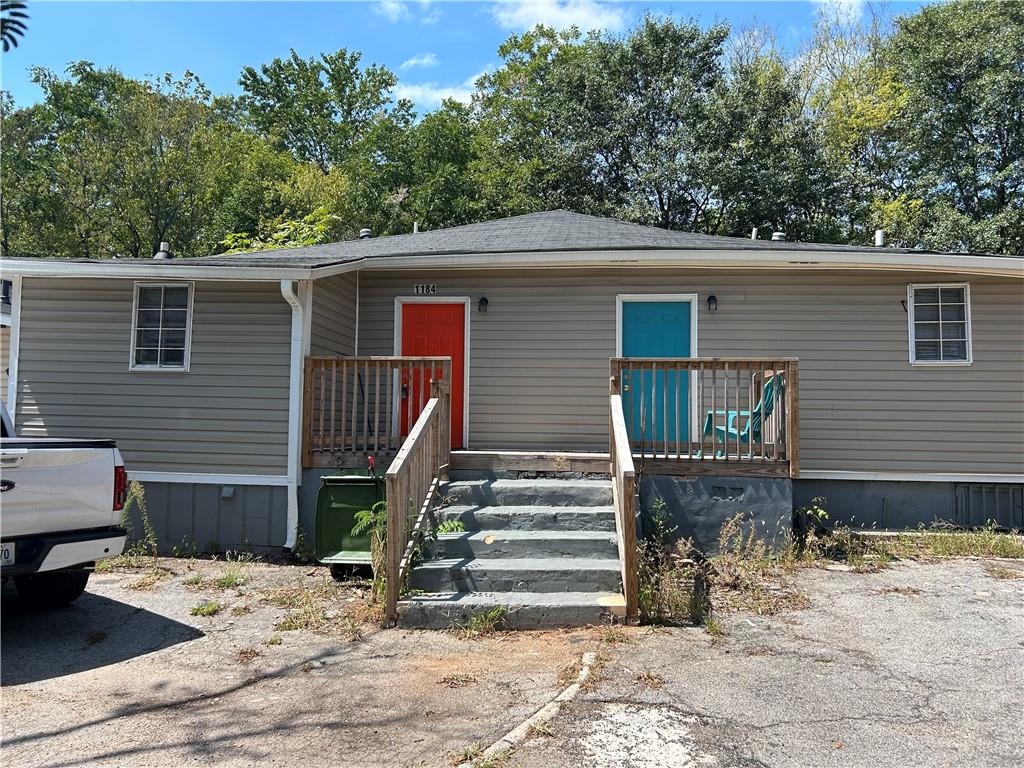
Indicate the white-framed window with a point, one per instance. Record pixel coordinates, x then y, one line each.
940 323
161 327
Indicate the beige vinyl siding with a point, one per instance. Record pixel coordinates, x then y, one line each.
5 359
227 414
333 324
539 359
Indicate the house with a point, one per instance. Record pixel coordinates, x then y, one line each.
230 385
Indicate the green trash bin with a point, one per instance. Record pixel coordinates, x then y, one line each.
340 497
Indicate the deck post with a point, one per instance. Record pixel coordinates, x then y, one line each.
793 418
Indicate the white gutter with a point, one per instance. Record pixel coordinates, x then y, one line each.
700 259
298 346
143 268
14 350
740 258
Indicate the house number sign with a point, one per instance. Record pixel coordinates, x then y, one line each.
425 289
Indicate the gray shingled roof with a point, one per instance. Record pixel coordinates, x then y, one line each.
548 231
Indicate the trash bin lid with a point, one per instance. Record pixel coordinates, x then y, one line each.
350 480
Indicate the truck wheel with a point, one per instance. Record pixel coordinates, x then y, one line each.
52 589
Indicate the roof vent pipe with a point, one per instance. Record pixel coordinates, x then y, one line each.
753 234
164 252
365 234
415 227
779 236
879 238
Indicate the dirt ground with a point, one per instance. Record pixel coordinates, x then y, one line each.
920 664
129 677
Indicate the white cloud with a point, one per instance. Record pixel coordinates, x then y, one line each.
848 11
393 10
400 10
585 14
430 95
423 60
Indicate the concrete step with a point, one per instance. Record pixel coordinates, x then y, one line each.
528 518
519 544
533 574
523 610
538 492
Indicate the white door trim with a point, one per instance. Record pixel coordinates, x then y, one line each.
622 298
464 300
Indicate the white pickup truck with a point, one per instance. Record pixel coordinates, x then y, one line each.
60 511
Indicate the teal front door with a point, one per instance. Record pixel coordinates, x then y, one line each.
656 400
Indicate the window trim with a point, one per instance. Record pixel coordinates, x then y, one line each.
149 367
911 287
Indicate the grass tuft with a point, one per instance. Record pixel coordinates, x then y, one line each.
482 624
458 680
650 679
208 608
150 579
247 655
466 754
714 627
616 636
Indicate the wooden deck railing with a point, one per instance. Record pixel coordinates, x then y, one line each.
711 415
359 405
624 496
412 481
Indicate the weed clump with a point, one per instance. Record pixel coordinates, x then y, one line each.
482 624
208 608
672 582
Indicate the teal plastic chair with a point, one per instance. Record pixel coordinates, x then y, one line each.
752 420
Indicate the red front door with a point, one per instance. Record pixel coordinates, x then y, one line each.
434 330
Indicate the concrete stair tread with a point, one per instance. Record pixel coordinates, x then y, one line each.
456 509
535 492
511 534
523 610
610 600
538 482
541 564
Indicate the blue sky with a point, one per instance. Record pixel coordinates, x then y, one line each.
437 47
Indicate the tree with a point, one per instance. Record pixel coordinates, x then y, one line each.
766 165
107 165
320 109
961 66
12 22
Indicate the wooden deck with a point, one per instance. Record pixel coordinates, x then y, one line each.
685 417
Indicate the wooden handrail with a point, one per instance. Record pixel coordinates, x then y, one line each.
411 482
624 495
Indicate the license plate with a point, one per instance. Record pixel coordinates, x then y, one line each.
6 554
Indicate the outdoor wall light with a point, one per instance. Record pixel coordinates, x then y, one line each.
481 306
712 303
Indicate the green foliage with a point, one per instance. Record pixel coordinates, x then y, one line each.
483 623
374 521
672 586
208 608
912 125
451 526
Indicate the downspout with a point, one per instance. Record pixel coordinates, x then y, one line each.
14 350
291 294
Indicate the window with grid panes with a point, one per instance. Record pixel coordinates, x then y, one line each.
940 324
161 328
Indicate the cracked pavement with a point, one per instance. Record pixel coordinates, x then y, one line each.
921 664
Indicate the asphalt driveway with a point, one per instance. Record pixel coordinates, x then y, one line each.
916 665
920 664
